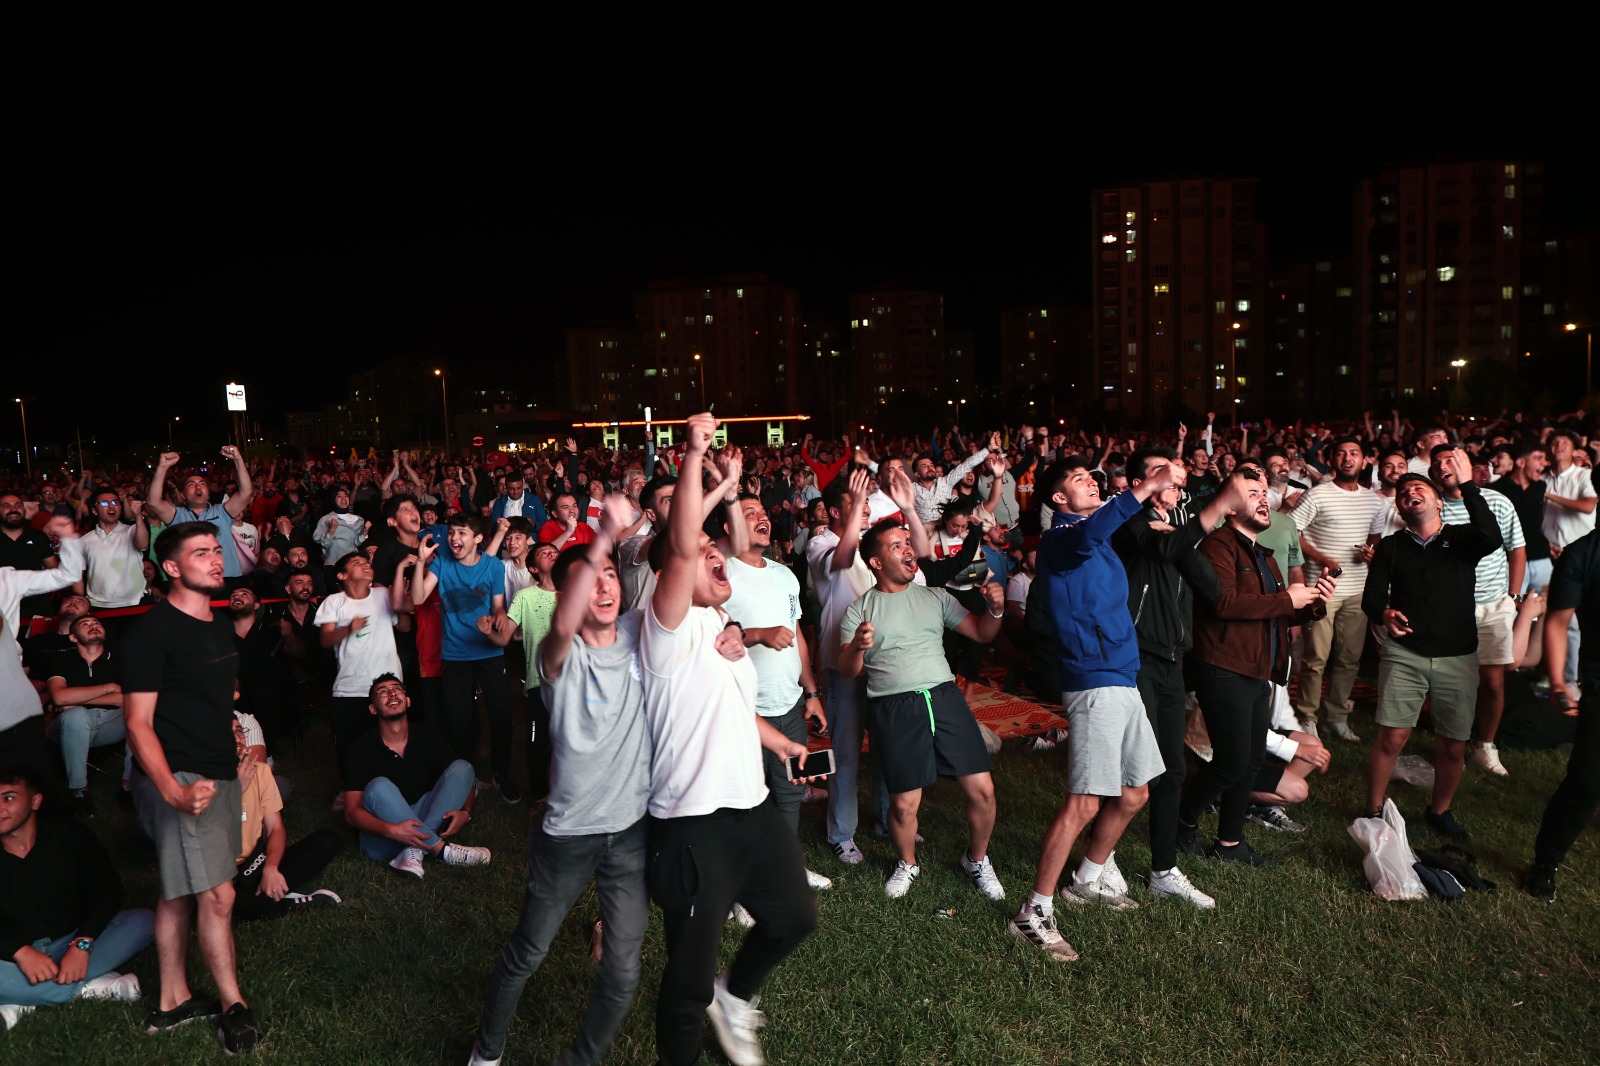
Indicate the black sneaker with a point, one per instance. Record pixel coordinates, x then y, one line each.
1241 853
237 1030
189 1010
83 805
508 790
1446 826
1189 840
1541 882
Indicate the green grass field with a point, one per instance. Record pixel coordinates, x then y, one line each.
1297 964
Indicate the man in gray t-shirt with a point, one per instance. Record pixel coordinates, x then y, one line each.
599 789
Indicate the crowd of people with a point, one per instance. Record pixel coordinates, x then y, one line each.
670 635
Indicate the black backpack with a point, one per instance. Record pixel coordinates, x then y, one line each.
1450 871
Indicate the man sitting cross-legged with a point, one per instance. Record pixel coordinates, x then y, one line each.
595 824
272 871
61 935
404 791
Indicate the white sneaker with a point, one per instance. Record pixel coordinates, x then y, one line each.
1488 757
477 1058
113 985
460 855
848 853
1308 726
1097 891
983 876
1111 875
1038 929
745 919
817 882
900 881
1343 731
1275 818
11 1013
1174 885
736 1021
409 861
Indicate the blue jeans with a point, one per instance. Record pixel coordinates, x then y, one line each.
77 729
847 705
383 800
127 934
558 870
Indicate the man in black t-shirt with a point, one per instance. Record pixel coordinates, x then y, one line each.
1574 588
86 685
404 791
178 682
24 547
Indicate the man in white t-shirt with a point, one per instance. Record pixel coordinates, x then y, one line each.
840 576
358 623
765 601
1569 513
113 553
714 837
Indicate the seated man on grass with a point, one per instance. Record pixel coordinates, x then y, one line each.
404 791
61 934
273 872
1292 755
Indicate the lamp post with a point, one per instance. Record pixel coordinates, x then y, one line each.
700 372
27 454
1233 369
1588 357
1459 364
174 418
444 399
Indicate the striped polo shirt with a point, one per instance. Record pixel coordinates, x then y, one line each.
1493 580
1336 522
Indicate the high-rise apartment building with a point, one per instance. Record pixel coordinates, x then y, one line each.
1444 277
1180 274
600 370
1045 363
897 341
731 341
1313 341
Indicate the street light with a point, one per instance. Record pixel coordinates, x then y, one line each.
700 372
1459 364
174 418
444 399
1588 357
27 456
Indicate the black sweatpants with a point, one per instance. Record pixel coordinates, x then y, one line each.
1578 795
1161 689
539 748
1238 711
697 869
352 716
461 713
302 860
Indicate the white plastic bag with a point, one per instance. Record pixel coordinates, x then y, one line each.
1389 860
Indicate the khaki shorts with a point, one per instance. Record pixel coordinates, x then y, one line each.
1495 622
1449 684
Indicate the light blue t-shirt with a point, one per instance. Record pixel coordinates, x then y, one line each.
467 594
218 516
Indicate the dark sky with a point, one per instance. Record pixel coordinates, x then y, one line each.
162 258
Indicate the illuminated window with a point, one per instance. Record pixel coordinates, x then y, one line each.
708 320
688 320
1511 192
1384 259
1549 309
1384 279
1108 238
1222 307
1243 305
1511 170
739 293
1300 309
1447 273
1133 364
1344 370
1161 288
1505 333
1222 382
649 371
1507 292
1132 235
1131 215
1508 232
1132 255
1044 312
1343 291
1241 342
663 334
1133 349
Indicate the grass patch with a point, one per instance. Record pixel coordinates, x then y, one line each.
1298 964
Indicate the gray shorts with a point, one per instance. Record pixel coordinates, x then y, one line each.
1449 684
195 852
1110 745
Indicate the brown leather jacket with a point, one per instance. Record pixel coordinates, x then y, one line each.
1234 631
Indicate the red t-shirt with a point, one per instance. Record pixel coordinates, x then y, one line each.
551 531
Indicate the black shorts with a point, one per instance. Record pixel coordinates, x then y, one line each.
1270 774
922 736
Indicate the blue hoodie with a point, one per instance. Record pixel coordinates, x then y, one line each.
1087 590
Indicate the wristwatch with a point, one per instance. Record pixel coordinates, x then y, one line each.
813 695
83 944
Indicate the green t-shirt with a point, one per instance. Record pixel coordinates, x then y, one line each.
533 610
907 652
1284 540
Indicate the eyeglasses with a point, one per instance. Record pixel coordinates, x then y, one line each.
107 503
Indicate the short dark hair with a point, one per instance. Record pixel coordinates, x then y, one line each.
555 498
381 679
391 506
870 539
1273 451
519 524
1440 449
647 495
471 519
1140 459
175 536
1349 438
1527 449
572 555
16 773
834 493
1422 478
1393 449
1059 471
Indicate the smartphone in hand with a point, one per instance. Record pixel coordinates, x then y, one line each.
817 764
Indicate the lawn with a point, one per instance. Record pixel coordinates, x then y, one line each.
1297 964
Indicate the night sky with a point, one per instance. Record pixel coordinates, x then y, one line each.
163 257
